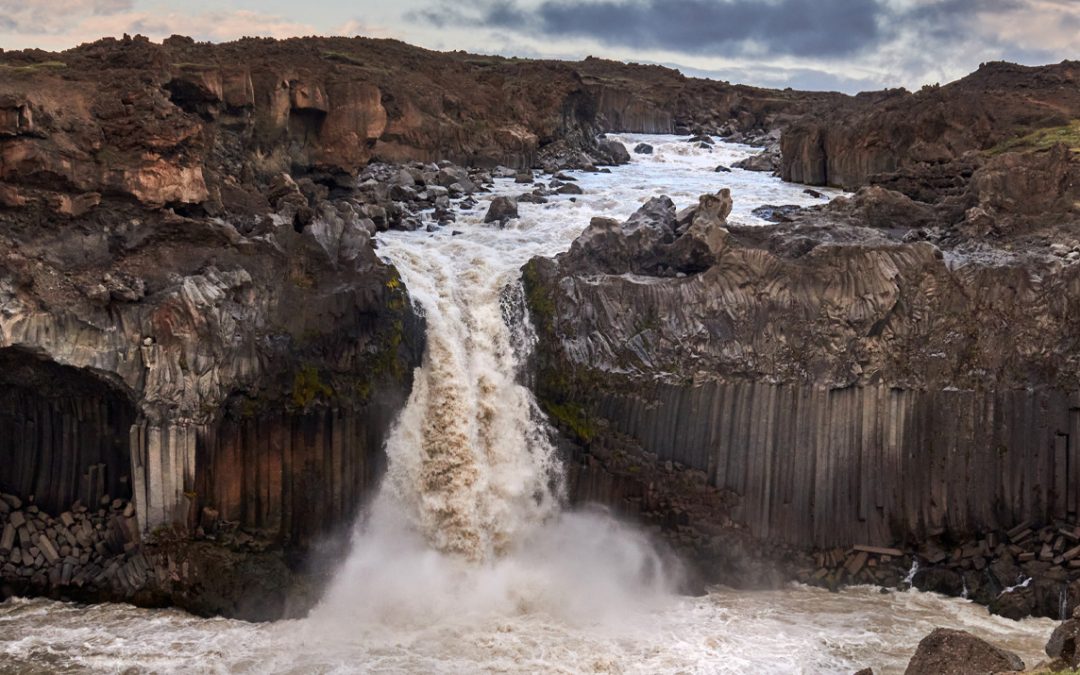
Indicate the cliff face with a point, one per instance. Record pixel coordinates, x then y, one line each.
885 136
195 125
852 384
658 100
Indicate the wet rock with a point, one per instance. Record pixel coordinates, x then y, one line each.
532 198
767 160
614 151
876 206
722 169
570 189
955 652
501 210
813 193
524 178
643 149
776 214
1064 643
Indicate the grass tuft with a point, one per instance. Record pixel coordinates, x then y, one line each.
1042 139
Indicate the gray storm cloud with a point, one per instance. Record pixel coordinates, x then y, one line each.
830 28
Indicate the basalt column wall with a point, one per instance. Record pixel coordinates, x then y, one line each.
293 476
872 464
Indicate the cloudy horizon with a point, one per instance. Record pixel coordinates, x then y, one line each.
845 45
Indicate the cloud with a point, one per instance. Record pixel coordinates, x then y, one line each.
831 28
92 19
807 79
365 29
52 16
848 45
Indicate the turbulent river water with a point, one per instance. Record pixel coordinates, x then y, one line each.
465 561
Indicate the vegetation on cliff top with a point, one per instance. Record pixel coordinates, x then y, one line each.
1043 139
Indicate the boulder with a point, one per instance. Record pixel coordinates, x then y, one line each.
501 210
643 149
878 207
776 214
1064 643
570 189
957 652
767 160
614 151
700 247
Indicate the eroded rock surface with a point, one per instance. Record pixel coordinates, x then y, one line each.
867 373
957 652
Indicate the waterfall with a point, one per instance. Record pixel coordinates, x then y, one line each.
471 463
910 578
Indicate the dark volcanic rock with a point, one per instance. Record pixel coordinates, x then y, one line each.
829 322
879 133
776 214
614 152
955 652
1064 643
501 210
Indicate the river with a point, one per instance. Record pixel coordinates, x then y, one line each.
465 561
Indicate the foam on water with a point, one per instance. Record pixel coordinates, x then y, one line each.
465 562
795 630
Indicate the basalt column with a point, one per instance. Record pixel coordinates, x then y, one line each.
872 464
63 433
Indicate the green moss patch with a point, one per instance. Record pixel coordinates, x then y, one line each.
307 386
1043 139
33 67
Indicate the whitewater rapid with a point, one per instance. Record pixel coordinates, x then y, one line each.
465 561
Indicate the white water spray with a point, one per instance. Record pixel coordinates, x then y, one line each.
910 578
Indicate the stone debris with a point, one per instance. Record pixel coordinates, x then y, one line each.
1019 572
79 548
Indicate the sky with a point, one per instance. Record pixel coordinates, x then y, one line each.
844 45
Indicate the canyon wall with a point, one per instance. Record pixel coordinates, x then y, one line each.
657 100
927 143
820 468
848 384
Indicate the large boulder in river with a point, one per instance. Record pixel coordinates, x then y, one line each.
1064 643
501 210
643 149
957 652
766 160
614 151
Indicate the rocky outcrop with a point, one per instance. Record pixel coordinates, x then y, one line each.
844 381
1064 643
886 137
658 100
957 652
225 353
197 127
